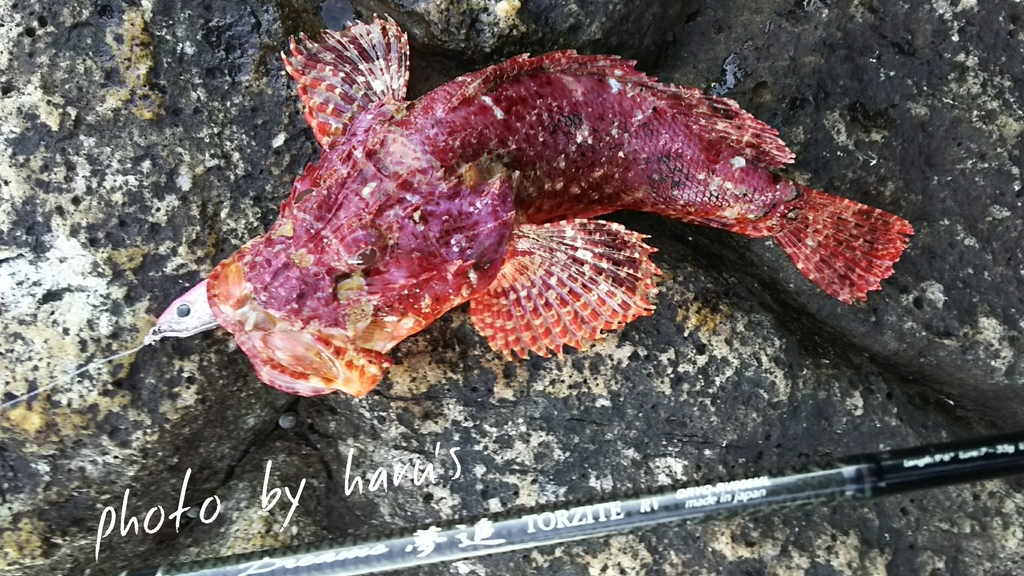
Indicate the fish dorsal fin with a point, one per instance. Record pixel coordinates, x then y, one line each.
475 84
348 71
715 117
723 118
565 283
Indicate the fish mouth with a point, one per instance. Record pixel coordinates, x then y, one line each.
305 360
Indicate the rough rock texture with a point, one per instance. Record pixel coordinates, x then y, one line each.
141 142
479 31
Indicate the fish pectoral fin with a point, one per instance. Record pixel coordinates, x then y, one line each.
348 71
565 283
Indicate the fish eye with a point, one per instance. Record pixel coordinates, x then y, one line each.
183 310
368 247
367 257
302 195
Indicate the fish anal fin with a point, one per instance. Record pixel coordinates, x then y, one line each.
348 71
564 284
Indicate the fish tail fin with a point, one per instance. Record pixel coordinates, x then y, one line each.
844 247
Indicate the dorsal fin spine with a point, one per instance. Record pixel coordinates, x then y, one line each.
347 72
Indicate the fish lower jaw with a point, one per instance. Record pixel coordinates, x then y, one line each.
383 335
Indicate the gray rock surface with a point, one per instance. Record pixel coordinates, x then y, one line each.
141 142
481 32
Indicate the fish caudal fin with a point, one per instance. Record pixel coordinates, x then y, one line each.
844 247
565 283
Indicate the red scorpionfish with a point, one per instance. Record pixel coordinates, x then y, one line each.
485 191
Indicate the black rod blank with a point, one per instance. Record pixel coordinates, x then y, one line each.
863 476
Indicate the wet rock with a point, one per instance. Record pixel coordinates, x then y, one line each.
887 107
486 31
143 142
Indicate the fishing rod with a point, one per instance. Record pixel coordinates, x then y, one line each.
857 477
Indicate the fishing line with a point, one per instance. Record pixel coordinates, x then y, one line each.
70 375
187 321
854 478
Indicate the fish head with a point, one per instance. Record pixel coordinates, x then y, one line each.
287 353
298 360
375 242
